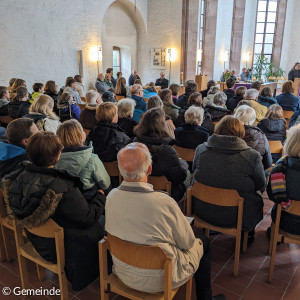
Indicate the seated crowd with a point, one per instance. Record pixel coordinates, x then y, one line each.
54 154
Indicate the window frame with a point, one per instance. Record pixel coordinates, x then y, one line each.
115 48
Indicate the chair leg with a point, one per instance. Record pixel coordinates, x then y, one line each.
23 271
188 289
104 296
2 247
271 237
63 285
237 254
6 243
41 271
206 232
272 261
245 242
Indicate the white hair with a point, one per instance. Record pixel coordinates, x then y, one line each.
194 115
142 169
220 98
126 107
251 94
245 114
91 97
213 90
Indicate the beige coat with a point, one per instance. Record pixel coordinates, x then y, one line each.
260 111
146 217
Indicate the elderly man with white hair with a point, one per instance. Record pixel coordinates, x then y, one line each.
260 110
254 137
133 76
125 112
162 81
138 214
87 116
100 84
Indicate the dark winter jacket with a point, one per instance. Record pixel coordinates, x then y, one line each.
190 136
163 82
182 100
288 101
229 93
4 107
165 162
227 162
87 117
140 107
294 118
266 101
55 98
293 74
17 109
217 112
132 79
204 93
233 102
207 122
257 140
289 222
107 140
127 125
36 194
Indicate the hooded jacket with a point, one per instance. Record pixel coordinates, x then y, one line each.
217 112
4 107
17 109
227 162
36 194
88 117
83 163
257 140
266 101
274 129
260 110
107 140
140 107
171 110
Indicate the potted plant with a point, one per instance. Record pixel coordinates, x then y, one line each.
260 66
273 71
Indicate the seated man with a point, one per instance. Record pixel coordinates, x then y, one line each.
141 104
87 116
162 81
260 110
210 83
138 214
243 75
133 76
14 152
230 91
100 85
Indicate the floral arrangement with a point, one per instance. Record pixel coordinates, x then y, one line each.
226 75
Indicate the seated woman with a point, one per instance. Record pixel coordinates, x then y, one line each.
106 136
19 105
170 108
57 194
195 99
209 99
79 160
51 89
70 88
150 91
153 132
125 112
226 162
191 133
218 109
121 88
175 88
274 126
79 86
254 137
108 80
67 109
17 84
265 98
41 111
287 172
287 100
233 102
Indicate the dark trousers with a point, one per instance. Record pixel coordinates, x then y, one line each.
202 275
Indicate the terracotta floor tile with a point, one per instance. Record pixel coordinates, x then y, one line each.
220 290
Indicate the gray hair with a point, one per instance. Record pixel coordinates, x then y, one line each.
251 94
91 97
245 114
126 107
194 115
220 98
154 101
213 90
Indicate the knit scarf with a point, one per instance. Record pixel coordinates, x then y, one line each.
278 184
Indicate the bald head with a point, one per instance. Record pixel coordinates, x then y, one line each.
134 162
101 76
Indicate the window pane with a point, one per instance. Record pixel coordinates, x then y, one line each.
260 27
201 24
259 38
262 5
268 48
269 38
268 58
272 6
271 17
270 28
202 8
258 48
261 17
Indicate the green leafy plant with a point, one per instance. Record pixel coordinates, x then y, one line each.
260 66
226 75
273 71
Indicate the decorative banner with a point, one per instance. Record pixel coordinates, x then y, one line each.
158 58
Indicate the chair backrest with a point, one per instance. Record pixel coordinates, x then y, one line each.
160 183
47 230
112 168
82 106
185 153
276 147
287 114
2 205
272 78
83 99
118 98
86 131
6 119
295 208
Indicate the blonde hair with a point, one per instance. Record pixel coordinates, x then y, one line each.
292 145
43 104
245 114
106 112
194 115
70 133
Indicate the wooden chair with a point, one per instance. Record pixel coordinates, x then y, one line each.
112 169
276 147
215 123
86 131
118 98
160 183
83 99
222 197
82 106
185 153
6 119
26 251
145 99
277 234
287 114
139 256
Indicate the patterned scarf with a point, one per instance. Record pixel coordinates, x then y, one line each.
278 183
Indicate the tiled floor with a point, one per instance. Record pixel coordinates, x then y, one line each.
251 283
